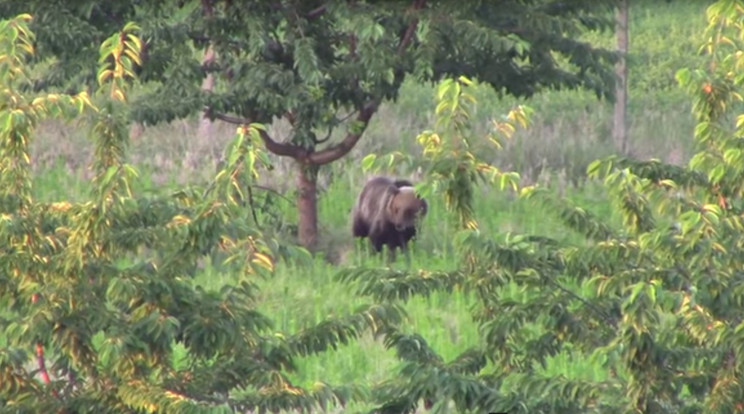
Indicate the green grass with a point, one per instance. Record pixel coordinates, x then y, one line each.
296 297
443 319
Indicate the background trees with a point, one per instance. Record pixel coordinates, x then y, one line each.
324 68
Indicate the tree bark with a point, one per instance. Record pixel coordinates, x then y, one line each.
307 204
136 129
205 130
620 124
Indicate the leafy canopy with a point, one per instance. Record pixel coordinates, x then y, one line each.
100 312
654 303
319 64
325 67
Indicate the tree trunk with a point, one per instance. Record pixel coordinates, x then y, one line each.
620 124
205 131
307 205
136 130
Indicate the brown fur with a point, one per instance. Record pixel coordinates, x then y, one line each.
386 212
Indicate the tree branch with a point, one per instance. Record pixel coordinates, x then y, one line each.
273 191
42 367
406 40
317 12
337 151
278 148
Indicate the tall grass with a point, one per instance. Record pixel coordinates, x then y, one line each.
301 296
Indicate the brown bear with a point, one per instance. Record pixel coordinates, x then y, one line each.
386 212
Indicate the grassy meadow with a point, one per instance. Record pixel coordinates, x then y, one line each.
570 129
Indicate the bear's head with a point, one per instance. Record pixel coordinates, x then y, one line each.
405 208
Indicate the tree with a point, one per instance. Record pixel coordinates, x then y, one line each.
620 120
325 66
205 131
101 290
655 300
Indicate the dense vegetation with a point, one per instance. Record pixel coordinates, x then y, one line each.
626 300
322 68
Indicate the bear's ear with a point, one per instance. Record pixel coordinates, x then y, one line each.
424 207
394 204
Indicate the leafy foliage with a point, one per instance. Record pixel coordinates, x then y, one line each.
329 66
655 301
449 160
275 56
102 290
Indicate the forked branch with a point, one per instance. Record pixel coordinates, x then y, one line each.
364 115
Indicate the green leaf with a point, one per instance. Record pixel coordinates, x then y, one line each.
682 76
716 174
368 161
